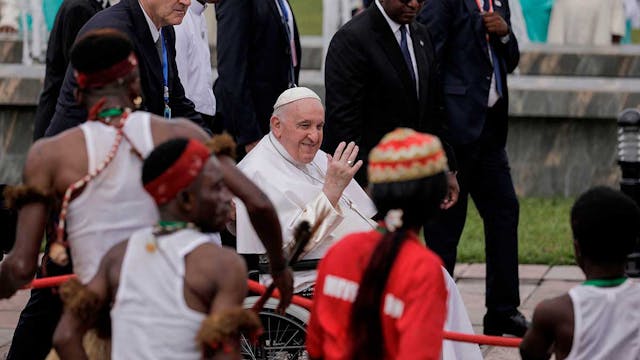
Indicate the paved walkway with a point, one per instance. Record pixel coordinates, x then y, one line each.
537 282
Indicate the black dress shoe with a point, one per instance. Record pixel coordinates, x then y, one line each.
498 324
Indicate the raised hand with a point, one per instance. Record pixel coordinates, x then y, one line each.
342 166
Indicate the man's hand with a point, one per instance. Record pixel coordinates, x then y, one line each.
284 282
453 190
340 170
250 146
495 24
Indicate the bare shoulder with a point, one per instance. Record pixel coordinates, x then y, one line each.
46 153
554 312
164 130
116 253
113 258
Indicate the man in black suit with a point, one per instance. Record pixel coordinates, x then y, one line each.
476 50
381 74
258 58
148 24
71 16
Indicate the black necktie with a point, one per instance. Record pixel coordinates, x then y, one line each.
285 21
405 52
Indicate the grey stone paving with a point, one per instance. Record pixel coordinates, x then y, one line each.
537 282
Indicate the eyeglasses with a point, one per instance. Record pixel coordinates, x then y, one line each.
408 1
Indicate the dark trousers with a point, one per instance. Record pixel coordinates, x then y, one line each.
484 174
38 320
212 123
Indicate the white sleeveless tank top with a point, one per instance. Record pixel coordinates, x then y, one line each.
114 204
607 322
150 318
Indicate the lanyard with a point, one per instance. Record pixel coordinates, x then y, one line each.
481 8
165 78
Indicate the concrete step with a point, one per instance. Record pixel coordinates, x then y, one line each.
536 59
556 60
530 96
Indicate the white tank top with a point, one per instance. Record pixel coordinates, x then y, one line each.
607 322
150 318
114 204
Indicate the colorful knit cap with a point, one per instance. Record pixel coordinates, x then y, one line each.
180 174
405 154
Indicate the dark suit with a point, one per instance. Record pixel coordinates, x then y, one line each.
71 16
127 16
369 90
479 135
254 65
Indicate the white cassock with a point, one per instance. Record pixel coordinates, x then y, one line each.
296 192
586 22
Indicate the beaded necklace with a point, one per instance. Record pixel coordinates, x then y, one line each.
106 117
165 228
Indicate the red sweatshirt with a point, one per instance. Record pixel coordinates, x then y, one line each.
413 306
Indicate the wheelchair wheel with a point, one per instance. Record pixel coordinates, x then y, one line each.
283 337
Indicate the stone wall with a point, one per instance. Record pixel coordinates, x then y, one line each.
562 157
16 130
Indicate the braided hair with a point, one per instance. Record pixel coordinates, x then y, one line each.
419 201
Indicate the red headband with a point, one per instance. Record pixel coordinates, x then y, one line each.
105 76
180 175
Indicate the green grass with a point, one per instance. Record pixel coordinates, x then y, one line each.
308 16
544 233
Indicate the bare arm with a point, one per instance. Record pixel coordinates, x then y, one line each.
231 281
538 340
67 339
164 130
20 265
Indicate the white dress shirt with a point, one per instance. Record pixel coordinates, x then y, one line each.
493 91
193 58
395 28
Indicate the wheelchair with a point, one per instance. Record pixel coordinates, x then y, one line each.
284 335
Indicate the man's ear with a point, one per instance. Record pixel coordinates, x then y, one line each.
276 126
79 97
185 200
577 251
